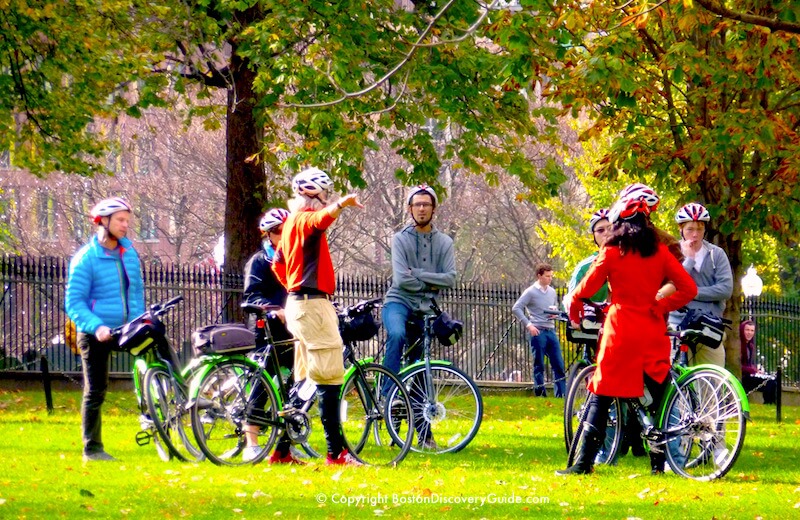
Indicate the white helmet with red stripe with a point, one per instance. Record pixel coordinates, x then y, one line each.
692 212
600 214
639 191
107 207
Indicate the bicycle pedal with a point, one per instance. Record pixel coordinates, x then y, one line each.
143 438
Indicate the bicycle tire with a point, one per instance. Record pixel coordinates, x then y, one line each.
454 417
574 369
708 411
376 430
165 404
575 396
575 412
226 401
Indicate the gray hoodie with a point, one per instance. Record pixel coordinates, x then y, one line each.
714 283
422 263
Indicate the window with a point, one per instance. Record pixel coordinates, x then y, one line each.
78 218
148 226
45 215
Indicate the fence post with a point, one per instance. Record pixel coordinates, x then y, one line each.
48 391
778 391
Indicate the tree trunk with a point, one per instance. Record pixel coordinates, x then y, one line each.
733 311
245 178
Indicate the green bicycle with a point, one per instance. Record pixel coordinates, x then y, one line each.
160 384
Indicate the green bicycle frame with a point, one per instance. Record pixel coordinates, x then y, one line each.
684 373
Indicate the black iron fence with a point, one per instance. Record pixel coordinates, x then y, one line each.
494 346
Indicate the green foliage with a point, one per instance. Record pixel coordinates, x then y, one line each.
62 66
704 105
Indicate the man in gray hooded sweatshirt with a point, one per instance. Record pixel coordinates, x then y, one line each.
423 262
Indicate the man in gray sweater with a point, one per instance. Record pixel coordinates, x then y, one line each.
423 262
709 267
544 341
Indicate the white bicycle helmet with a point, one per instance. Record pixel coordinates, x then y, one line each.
107 207
272 219
639 191
422 188
311 182
600 214
692 212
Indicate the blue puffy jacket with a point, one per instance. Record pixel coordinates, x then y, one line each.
96 290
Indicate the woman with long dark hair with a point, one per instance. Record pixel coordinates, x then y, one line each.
634 350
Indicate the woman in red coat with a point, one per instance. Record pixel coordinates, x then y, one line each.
634 350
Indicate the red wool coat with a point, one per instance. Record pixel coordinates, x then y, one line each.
633 341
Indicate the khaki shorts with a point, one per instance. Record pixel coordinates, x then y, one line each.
709 356
318 354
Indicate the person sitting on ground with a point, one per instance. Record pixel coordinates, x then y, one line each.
753 376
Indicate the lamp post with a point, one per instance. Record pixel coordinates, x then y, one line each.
751 287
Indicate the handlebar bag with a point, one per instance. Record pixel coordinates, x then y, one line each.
447 330
359 327
226 338
711 328
140 334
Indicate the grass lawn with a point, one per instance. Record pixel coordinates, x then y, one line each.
507 472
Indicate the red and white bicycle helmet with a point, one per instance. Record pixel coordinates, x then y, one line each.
311 182
641 191
107 207
422 188
272 219
600 214
692 212
626 208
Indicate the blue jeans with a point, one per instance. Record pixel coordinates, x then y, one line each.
394 316
546 344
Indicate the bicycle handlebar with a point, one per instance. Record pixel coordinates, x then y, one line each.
156 311
361 306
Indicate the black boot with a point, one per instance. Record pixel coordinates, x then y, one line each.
657 461
591 440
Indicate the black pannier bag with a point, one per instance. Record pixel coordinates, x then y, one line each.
140 334
711 327
226 338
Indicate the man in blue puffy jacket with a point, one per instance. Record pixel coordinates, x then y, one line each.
104 290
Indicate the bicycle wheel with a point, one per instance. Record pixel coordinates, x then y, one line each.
165 405
448 408
704 426
574 414
376 430
232 396
573 370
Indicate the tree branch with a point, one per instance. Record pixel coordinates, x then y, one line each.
763 21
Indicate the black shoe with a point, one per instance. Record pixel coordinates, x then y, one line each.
657 461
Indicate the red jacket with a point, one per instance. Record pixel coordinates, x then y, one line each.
302 259
633 341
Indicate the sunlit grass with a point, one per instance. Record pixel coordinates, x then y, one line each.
506 472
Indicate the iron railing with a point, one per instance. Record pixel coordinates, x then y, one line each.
494 346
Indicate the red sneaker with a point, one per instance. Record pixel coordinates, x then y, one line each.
276 458
345 458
